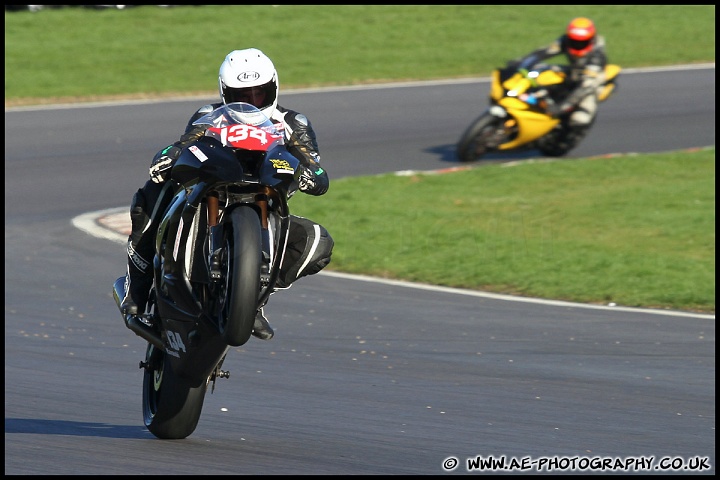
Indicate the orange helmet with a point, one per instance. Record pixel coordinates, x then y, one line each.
580 36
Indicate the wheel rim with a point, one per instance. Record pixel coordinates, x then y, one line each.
153 381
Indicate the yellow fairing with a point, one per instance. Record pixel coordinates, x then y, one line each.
496 90
512 103
611 71
534 126
518 83
549 77
605 92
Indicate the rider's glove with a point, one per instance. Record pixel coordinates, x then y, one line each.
552 108
163 162
194 133
307 179
160 167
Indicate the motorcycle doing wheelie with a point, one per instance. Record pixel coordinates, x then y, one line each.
218 252
517 117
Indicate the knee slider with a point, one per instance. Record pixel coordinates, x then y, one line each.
309 251
321 255
580 118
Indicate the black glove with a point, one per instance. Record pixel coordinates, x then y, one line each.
552 108
307 179
163 162
165 159
192 134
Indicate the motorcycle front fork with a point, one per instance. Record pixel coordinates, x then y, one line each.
216 236
216 251
506 131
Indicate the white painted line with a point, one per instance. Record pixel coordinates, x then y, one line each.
287 91
110 223
88 223
497 296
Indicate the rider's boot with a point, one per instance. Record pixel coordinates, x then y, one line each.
262 328
139 277
137 291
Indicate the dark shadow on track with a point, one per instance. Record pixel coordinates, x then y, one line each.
81 429
447 153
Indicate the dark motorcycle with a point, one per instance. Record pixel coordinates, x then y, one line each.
517 118
218 253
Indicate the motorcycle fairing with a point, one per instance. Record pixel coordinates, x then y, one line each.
176 234
611 73
220 164
196 351
532 125
282 171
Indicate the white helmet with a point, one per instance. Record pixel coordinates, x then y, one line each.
249 76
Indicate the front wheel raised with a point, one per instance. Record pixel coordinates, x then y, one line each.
243 245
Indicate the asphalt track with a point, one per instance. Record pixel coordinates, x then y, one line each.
363 376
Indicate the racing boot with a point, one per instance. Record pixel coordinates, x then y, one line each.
262 328
137 291
139 276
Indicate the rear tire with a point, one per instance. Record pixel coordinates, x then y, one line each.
171 407
480 138
559 142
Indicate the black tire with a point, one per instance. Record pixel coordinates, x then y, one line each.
480 138
559 142
243 244
171 407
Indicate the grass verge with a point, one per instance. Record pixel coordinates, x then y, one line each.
631 230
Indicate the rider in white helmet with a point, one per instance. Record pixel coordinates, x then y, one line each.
245 76
249 76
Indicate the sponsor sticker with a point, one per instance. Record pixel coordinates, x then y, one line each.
198 153
282 166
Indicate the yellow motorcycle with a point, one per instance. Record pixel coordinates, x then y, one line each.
517 118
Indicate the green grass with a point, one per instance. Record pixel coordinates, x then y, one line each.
634 230
79 52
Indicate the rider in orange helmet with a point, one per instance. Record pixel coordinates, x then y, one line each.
586 57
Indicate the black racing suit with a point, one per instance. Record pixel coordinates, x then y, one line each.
586 74
309 245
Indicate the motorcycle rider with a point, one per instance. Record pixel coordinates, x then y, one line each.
245 76
585 53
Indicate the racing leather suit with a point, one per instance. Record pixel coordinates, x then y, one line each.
309 245
586 74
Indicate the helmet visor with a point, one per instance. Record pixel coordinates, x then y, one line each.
259 96
579 47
